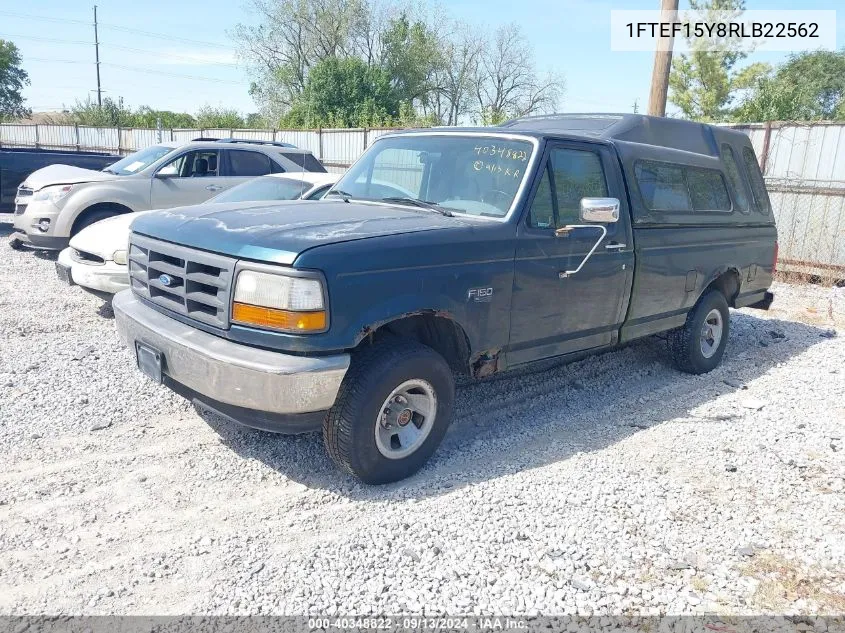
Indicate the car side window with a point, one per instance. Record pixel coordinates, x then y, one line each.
758 187
318 193
737 183
194 164
577 174
243 163
662 186
542 213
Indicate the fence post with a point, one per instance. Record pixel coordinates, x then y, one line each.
764 155
320 142
37 137
366 135
119 141
76 134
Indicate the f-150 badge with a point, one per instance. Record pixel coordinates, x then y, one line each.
482 295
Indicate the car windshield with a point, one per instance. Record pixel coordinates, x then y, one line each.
470 175
264 188
139 160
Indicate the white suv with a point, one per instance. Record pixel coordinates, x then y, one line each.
56 202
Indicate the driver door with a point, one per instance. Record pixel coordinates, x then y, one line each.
190 178
555 313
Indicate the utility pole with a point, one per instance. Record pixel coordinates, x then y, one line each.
97 58
662 62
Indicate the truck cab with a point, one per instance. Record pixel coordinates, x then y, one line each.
460 250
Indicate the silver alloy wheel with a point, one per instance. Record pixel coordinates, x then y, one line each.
711 333
406 418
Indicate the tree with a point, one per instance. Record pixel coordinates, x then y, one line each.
293 36
344 93
506 83
704 81
808 87
111 114
145 116
412 57
12 80
221 117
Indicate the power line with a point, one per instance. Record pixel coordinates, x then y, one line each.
116 27
186 58
138 69
52 40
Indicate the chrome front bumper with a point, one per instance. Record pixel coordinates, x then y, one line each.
231 373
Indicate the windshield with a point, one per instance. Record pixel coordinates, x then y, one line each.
471 175
263 188
139 160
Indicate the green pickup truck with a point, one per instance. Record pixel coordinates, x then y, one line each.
453 250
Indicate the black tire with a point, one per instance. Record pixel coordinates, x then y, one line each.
685 343
349 430
90 217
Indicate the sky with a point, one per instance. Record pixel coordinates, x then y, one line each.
179 55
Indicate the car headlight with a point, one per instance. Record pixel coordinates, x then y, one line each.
279 302
119 257
53 194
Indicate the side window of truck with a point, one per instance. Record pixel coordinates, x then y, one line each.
570 174
662 186
668 187
737 183
758 187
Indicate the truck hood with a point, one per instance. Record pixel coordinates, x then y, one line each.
64 175
279 232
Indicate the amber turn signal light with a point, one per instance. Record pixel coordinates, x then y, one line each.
275 319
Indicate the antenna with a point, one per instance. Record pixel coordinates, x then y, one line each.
97 60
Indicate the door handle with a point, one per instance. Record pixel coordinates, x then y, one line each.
214 188
615 246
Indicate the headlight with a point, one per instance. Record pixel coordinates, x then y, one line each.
119 257
279 302
53 194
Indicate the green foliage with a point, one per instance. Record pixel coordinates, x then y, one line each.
145 116
703 82
344 93
111 114
411 57
210 117
808 87
12 80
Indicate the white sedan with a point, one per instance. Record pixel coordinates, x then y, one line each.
96 256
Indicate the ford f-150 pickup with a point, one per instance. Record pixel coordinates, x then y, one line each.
460 250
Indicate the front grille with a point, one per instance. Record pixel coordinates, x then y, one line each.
88 258
21 200
190 282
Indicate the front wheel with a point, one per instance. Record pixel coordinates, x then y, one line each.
699 345
392 411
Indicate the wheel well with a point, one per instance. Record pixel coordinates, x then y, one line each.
728 284
119 209
440 333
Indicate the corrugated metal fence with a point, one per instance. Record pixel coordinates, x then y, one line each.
337 149
804 166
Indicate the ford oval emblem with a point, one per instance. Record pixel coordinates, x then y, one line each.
165 280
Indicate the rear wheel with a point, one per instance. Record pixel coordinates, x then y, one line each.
392 411
699 345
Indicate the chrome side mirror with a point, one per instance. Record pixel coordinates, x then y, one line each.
600 210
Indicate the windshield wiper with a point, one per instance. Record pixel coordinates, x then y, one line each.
422 204
110 171
345 196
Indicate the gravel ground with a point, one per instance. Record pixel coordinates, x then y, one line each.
612 485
